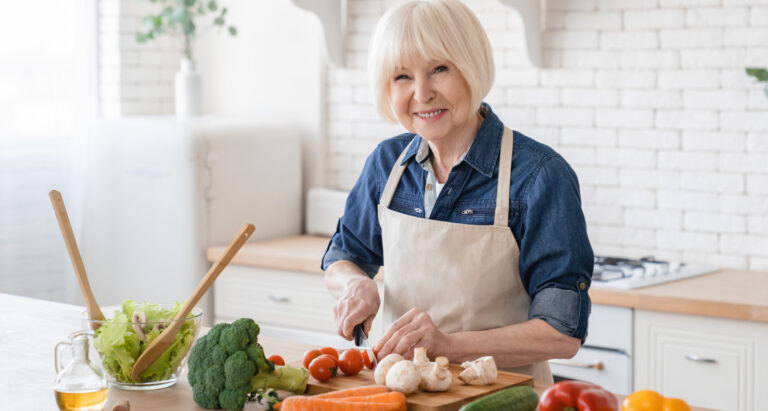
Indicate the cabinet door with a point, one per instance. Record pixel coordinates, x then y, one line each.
287 299
708 362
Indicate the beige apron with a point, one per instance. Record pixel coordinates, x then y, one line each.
466 277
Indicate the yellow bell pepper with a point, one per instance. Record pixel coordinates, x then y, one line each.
647 400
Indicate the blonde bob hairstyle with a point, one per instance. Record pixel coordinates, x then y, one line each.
432 29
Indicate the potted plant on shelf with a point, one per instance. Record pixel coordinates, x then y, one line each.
761 75
180 18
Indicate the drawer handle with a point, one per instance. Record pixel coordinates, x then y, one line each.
694 357
597 365
279 298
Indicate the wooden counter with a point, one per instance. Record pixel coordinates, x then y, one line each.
29 330
734 294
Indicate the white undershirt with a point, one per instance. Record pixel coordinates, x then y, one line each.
438 188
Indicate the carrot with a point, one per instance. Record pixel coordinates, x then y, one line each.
385 401
354 392
384 397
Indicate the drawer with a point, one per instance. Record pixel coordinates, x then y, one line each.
282 298
610 327
609 369
279 298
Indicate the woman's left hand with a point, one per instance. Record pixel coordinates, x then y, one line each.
414 329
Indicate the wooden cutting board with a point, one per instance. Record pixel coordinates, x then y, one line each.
451 400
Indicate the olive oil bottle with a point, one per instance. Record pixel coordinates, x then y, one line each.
80 384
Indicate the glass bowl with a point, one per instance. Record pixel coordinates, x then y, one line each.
120 340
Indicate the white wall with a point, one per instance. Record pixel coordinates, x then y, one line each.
646 99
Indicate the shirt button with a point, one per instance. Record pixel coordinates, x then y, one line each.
429 187
582 286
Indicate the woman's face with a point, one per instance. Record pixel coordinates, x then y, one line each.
431 98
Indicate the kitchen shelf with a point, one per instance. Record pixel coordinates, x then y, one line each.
333 17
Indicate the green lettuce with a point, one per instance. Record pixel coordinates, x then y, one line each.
119 345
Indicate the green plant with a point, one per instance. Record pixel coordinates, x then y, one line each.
180 16
761 75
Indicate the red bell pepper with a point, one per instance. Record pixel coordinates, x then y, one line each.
577 396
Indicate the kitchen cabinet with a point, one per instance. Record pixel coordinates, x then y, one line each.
713 362
279 299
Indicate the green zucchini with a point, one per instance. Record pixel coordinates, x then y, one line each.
522 398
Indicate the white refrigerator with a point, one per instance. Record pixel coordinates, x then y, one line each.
161 190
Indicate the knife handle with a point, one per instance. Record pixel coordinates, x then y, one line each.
359 334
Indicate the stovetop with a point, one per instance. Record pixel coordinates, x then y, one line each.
628 273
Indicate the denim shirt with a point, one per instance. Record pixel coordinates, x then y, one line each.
545 216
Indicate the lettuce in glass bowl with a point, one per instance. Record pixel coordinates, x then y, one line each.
127 332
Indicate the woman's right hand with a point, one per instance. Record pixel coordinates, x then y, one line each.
358 303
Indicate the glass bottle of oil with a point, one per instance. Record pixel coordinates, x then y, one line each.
80 384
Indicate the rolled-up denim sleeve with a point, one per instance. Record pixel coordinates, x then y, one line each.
358 234
556 258
334 253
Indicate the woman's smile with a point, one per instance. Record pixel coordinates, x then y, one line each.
430 116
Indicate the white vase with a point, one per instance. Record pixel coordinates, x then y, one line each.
188 90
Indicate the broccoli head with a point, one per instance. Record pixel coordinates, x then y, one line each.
227 365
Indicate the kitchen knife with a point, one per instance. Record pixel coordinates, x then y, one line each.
362 341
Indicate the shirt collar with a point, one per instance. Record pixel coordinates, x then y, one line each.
484 151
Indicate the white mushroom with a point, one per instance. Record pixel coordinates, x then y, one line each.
139 318
380 374
160 325
435 376
403 377
481 371
420 358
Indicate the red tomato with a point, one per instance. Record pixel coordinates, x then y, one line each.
309 356
330 351
367 361
351 362
323 368
278 360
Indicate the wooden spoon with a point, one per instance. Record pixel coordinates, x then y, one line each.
163 341
94 312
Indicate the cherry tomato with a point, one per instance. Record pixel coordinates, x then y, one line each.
309 356
330 351
351 362
278 360
323 368
366 360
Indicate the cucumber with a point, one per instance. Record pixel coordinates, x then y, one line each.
522 398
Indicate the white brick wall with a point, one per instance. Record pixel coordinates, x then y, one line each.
646 99
134 79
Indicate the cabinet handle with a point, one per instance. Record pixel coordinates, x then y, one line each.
694 357
597 365
279 298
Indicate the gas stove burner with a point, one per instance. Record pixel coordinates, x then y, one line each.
621 272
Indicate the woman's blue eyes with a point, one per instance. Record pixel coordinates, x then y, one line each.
438 69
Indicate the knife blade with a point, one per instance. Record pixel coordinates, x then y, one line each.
362 341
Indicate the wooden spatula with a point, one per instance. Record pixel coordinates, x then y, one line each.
94 312
163 341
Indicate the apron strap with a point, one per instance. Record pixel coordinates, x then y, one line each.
394 178
505 168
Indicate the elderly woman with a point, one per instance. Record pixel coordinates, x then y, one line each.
479 228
